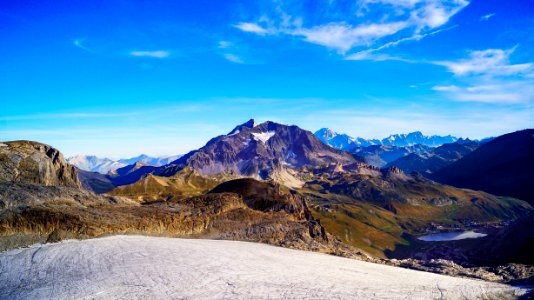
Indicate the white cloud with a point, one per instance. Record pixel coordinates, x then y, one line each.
155 54
487 17
410 16
433 14
493 62
233 58
343 37
251 27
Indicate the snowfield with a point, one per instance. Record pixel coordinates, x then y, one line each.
263 136
136 267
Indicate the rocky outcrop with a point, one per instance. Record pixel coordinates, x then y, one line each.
33 162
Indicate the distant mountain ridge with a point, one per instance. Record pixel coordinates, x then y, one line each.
93 163
440 157
345 142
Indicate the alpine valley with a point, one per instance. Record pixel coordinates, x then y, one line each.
279 184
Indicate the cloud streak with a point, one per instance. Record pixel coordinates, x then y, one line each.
233 58
79 43
487 17
153 54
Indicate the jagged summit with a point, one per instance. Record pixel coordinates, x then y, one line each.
248 124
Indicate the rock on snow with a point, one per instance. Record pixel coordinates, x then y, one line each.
136 267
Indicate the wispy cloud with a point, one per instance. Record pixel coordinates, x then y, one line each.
79 43
495 62
75 115
487 17
371 53
513 92
251 27
154 54
224 44
343 37
233 58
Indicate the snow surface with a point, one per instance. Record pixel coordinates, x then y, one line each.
263 136
136 267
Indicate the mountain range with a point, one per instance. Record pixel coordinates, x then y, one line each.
345 142
273 183
105 165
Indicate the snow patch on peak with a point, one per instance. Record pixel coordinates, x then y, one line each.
234 132
263 136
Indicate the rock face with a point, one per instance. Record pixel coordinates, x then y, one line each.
502 166
32 162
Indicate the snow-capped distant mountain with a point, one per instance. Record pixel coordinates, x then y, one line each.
94 164
106 165
152 161
417 138
343 141
346 142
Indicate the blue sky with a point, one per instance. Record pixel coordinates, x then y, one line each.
119 78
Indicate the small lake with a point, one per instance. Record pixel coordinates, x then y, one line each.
451 236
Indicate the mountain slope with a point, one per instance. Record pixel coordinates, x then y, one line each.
502 166
377 210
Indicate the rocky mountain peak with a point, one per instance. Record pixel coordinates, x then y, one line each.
325 134
264 151
248 124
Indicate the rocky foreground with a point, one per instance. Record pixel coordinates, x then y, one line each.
126 267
